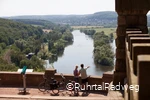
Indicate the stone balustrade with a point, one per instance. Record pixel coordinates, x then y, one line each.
135 35
138 65
14 79
137 40
143 72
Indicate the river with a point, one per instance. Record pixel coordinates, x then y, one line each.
80 52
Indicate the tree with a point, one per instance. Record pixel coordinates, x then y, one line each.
3 45
25 62
59 46
50 45
67 36
103 53
88 32
111 37
27 50
16 57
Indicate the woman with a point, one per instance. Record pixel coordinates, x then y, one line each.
76 74
76 79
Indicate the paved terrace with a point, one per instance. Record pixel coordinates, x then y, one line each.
11 81
9 93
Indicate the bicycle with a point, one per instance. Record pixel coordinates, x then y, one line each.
72 87
52 85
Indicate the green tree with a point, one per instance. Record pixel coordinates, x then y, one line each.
67 36
103 53
111 37
3 45
25 62
27 50
59 46
16 57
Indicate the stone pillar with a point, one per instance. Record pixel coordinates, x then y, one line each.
120 65
143 73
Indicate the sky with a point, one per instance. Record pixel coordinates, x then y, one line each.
54 7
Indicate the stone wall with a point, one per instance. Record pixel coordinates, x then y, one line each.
14 79
138 65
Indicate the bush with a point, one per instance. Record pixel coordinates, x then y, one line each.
88 32
8 67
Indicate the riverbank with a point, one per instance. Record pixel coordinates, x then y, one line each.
107 31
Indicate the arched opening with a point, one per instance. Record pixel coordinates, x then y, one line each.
148 21
99 17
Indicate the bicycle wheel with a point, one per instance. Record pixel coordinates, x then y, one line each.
43 87
62 86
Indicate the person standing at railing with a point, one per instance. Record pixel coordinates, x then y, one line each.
84 77
76 79
76 74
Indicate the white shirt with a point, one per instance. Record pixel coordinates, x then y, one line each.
83 73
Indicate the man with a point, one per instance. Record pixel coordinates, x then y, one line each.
84 78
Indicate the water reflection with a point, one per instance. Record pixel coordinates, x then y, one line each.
104 68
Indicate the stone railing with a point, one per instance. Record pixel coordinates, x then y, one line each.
137 65
14 79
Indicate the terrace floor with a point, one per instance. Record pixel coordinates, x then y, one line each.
34 94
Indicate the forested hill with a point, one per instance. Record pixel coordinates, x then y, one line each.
35 22
16 41
25 45
107 19
11 31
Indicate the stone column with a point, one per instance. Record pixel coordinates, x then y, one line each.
132 19
120 65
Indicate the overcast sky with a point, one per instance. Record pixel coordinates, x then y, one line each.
54 7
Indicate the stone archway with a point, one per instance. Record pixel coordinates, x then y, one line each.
148 22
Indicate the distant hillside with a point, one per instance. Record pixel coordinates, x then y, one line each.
106 19
11 31
36 22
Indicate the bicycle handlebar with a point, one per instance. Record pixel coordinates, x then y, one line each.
62 76
44 77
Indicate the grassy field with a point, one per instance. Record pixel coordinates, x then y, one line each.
107 31
47 30
87 27
37 25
